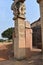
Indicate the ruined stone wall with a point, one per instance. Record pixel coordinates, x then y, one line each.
36 37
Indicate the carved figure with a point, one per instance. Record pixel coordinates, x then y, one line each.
18 8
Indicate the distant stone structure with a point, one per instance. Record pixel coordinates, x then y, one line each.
23 32
36 36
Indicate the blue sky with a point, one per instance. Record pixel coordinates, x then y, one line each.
6 15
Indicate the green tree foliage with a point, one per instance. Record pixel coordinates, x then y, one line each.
1 40
8 33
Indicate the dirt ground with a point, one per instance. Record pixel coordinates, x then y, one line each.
5 50
35 60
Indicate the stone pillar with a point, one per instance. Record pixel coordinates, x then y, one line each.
41 8
41 13
28 40
18 8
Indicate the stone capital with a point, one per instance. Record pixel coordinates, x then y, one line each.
18 8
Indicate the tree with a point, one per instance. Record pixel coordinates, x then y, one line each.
1 40
8 33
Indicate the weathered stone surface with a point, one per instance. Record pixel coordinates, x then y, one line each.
19 43
41 12
27 24
37 37
41 8
22 29
28 36
18 8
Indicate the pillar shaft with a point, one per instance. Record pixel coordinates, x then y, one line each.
19 42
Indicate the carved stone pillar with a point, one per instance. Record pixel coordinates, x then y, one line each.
18 8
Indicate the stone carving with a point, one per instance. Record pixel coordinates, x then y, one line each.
15 10
18 8
22 10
